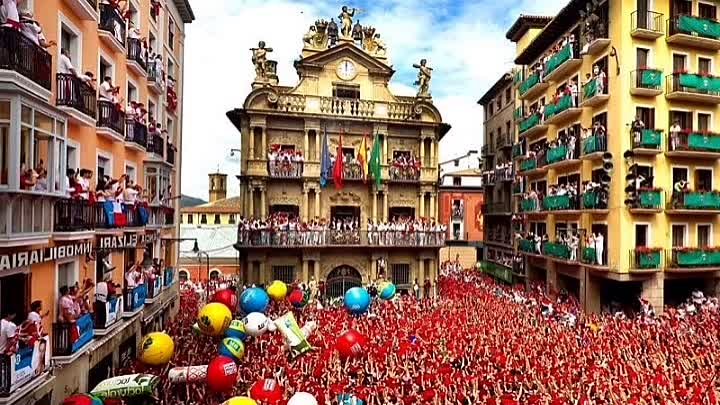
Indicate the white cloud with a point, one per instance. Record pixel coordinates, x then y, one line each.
464 43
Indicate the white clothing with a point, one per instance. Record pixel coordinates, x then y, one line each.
101 292
65 66
7 332
105 91
9 11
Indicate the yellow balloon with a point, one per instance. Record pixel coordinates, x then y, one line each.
277 290
240 401
214 319
157 349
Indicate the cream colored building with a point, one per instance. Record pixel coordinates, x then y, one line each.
342 88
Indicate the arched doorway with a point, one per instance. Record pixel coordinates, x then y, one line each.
183 275
341 279
214 274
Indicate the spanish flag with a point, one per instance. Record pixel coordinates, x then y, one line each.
363 158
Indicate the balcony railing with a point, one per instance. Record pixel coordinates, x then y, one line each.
112 22
649 199
518 150
74 215
70 338
561 105
529 205
693 257
108 313
694 26
156 144
488 178
503 141
403 173
560 203
644 258
592 89
558 251
136 133
502 207
134 298
529 123
528 246
686 141
171 152
647 139
533 163
647 79
19 54
135 52
132 216
557 154
329 238
594 144
352 171
168 277
154 288
109 116
529 83
487 150
347 106
75 93
555 63
701 201
698 85
646 24
594 200
504 174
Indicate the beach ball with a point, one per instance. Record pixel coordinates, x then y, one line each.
351 344
267 390
233 348
256 324
254 300
240 401
214 318
221 374
226 297
236 330
302 398
277 290
82 399
157 349
357 300
387 290
299 298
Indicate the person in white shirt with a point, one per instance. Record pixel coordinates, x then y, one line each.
106 89
8 332
131 277
9 15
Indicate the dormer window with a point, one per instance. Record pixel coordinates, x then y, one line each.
345 91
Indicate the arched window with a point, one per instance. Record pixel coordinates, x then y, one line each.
183 275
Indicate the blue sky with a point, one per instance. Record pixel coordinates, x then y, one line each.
464 42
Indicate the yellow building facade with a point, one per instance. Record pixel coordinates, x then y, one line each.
643 72
342 90
53 121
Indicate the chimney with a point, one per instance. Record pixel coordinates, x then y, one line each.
218 186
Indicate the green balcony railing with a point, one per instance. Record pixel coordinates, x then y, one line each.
693 83
701 201
564 103
591 201
557 203
558 59
529 83
649 139
528 164
529 123
695 257
704 142
589 255
701 27
645 258
650 199
528 205
557 154
647 78
517 150
592 144
526 245
557 250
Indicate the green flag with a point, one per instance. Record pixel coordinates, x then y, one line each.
375 167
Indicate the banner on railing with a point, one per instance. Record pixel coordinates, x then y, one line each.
156 288
29 362
84 332
137 297
169 277
111 311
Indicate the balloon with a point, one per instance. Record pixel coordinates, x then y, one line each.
267 390
157 349
82 399
221 374
294 337
236 330
277 290
299 298
232 348
254 300
357 300
256 324
214 318
187 374
125 386
302 398
351 344
240 401
387 290
226 297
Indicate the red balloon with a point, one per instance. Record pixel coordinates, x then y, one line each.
351 344
226 297
267 390
297 298
222 374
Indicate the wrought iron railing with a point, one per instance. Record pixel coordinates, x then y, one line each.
21 55
324 238
136 133
112 22
75 93
135 52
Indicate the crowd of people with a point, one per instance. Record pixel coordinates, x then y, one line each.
285 162
503 171
23 21
405 166
477 343
592 242
286 229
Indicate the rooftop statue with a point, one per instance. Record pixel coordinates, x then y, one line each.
259 59
423 78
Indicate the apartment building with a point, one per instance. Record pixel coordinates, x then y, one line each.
57 233
618 151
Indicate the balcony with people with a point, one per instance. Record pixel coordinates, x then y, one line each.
562 198
645 141
594 141
137 52
404 167
536 160
504 172
488 178
286 162
136 130
24 60
76 95
171 95
701 87
684 201
155 73
108 305
562 59
564 106
564 151
693 31
498 234
112 26
531 244
156 144
693 143
646 81
566 247
645 24
73 330
594 249
518 150
532 123
595 197
154 279
646 259
135 289
531 202
684 259
285 230
533 86
595 88
110 112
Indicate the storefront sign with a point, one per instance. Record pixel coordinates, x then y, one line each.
127 240
85 332
23 259
29 362
126 386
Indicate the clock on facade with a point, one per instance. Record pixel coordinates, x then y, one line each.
346 70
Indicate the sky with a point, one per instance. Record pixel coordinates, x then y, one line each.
463 41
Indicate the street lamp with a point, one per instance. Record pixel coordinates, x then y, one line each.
207 257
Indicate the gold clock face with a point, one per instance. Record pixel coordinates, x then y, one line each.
346 70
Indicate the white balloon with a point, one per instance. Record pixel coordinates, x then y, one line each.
302 398
272 327
256 324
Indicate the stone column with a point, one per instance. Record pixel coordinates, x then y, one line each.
373 268
421 206
305 205
305 273
385 149
422 152
317 203
433 208
433 272
318 144
374 205
306 151
263 208
316 270
421 275
385 205
262 276
432 153
264 143
251 143
251 201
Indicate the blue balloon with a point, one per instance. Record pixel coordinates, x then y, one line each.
357 300
254 300
387 290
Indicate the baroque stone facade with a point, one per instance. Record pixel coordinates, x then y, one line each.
342 90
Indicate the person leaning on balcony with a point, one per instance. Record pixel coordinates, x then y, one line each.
9 16
679 189
600 133
675 131
106 89
33 31
637 127
66 306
